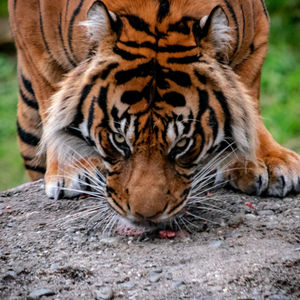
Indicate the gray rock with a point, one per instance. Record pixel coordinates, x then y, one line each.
215 244
154 277
110 241
266 212
178 283
128 285
104 294
10 275
278 297
158 270
54 267
236 220
39 293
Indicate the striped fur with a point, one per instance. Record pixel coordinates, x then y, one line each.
146 92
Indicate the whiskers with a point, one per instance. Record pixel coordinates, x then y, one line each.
82 178
202 207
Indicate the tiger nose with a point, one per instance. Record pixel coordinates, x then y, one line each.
147 206
140 217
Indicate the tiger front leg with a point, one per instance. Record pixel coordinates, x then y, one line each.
76 177
276 171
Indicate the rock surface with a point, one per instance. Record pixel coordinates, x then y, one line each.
46 245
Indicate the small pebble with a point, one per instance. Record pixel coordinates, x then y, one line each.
236 220
54 267
104 294
128 285
178 283
10 275
158 270
215 244
266 212
39 293
154 277
110 241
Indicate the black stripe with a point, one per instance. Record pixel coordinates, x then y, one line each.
252 48
213 122
184 193
28 86
244 22
175 99
163 10
200 77
154 47
223 102
176 206
79 117
67 9
265 9
138 24
180 78
203 106
175 48
203 101
143 70
131 97
108 69
127 55
31 103
26 137
71 61
26 158
44 37
233 15
134 44
181 26
183 60
110 191
15 4
70 31
91 115
113 173
75 132
102 102
35 168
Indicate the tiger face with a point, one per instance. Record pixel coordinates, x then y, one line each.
157 102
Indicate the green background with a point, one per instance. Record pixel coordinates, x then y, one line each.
280 98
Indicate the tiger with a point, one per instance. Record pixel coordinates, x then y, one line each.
148 100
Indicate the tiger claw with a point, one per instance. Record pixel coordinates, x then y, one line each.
274 176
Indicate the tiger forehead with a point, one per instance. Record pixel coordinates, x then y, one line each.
154 21
156 13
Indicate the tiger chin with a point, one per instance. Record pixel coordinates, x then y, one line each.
145 103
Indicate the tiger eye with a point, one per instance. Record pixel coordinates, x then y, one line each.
182 143
119 138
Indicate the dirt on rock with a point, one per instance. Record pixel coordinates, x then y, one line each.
250 249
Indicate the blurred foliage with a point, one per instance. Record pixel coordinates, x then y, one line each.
280 89
11 167
3 8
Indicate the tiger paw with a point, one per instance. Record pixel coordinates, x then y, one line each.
276 174
72 180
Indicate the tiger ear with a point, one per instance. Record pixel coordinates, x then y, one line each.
100 21
215 28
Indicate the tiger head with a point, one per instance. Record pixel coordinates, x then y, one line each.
157 100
